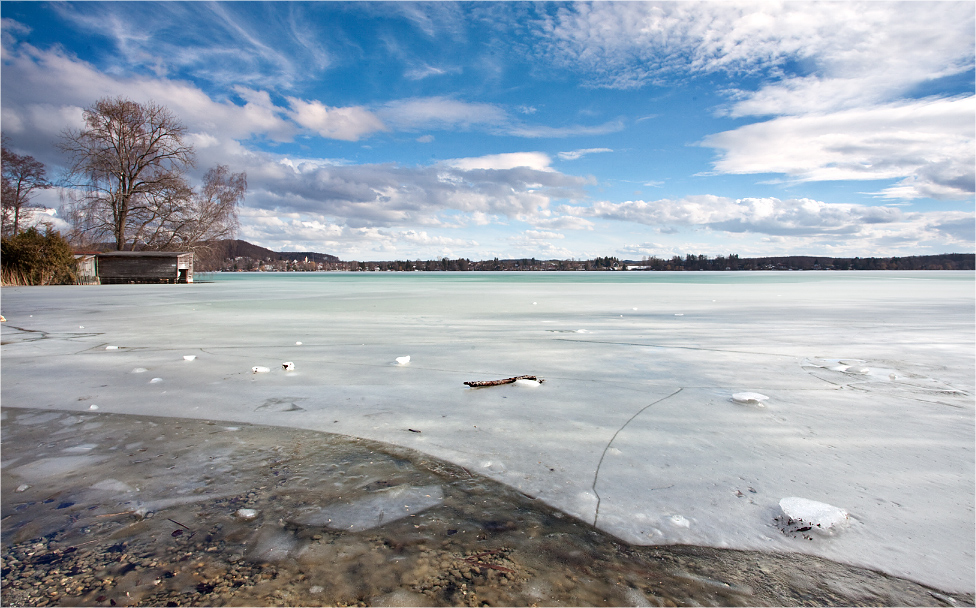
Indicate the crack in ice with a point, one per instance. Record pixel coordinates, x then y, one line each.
596 475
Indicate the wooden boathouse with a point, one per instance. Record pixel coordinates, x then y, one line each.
115 267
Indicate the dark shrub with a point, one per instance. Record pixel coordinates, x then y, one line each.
32 258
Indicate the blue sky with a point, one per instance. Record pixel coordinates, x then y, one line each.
393 130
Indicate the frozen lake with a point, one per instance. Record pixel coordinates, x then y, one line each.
861 390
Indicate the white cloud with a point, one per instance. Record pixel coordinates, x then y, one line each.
630 44
805 221
834 77
440 113
347 124
929 142
536 131
539 235
533 160
577 154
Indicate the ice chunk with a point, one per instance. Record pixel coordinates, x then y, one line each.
526 383
257 369
679 314
246 514
189 357
139 370
93 407
288 366
582 331
749 398
804 515
374 509
22 488
403 360
113 485
298 343
155 381
45 468
111 348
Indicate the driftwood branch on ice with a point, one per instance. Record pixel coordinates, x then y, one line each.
479 384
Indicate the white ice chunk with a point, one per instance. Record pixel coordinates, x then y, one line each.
298 343
113 485
155 381
582 331
189 357
403 360
749 398
526 383
288 366
22 488
374 509
802 513
246 514
111 348
257 369
679 314
93 407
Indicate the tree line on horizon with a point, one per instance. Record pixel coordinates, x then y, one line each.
241 256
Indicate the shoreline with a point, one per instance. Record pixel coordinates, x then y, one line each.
149 504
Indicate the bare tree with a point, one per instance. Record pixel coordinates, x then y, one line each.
186 220
127 166
23 176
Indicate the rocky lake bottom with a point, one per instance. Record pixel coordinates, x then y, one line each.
120 510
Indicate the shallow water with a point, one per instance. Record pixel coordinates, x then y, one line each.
118 510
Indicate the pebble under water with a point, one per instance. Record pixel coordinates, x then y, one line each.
117 510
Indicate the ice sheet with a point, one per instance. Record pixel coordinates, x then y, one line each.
869 378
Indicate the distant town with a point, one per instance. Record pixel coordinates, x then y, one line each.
241 256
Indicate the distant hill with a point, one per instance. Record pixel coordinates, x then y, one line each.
225 253
236 248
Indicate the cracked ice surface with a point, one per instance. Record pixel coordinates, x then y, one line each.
869 379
